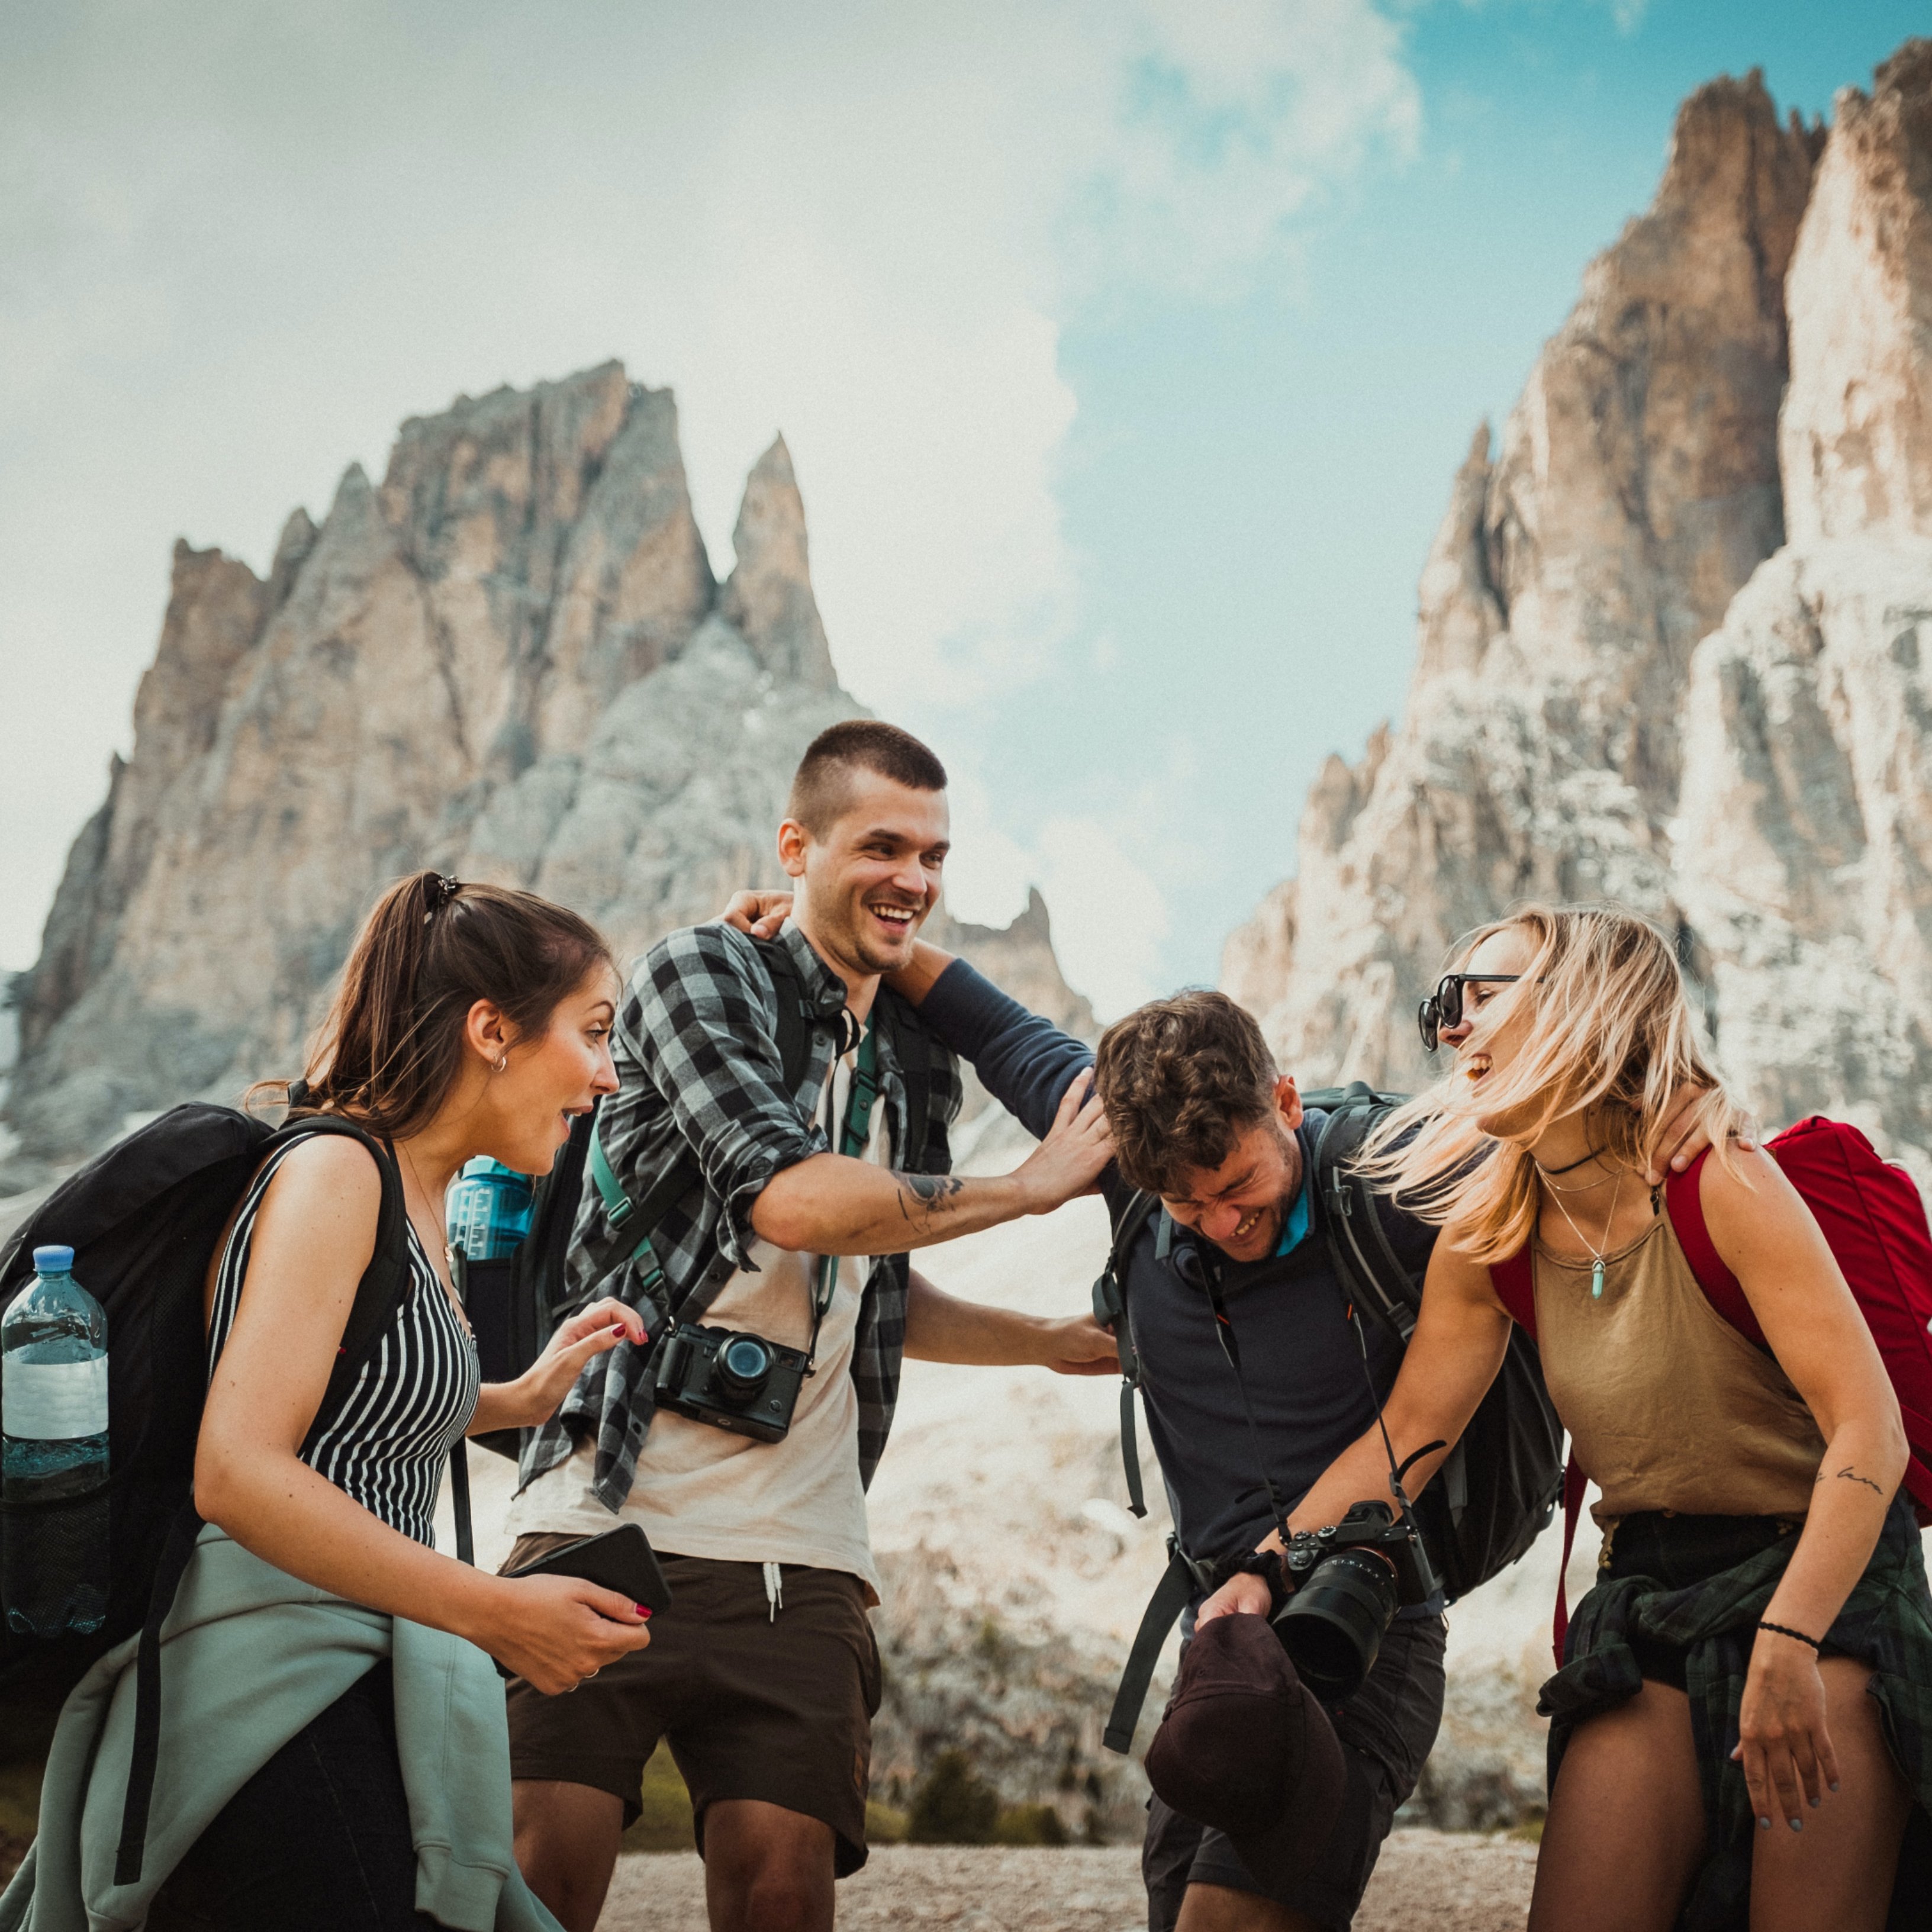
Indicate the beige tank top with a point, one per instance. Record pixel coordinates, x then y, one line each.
1667 1406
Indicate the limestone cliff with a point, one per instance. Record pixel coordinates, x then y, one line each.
510 660
1568 735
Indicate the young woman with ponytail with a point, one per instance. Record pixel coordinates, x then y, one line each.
1741 1722
470 1020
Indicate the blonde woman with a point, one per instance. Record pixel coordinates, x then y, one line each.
1739 1727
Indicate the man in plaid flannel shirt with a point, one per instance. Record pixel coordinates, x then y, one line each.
764 1675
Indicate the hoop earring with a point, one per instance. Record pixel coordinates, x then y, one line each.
503 1065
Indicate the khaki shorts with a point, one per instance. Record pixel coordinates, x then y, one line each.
776 1709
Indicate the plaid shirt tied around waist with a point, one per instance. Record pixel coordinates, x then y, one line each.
1886 1622
696 1046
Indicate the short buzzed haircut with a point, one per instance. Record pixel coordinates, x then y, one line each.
822 787
1179 1080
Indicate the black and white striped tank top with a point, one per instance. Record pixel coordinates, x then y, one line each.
414 1395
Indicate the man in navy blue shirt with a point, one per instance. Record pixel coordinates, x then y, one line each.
1200 1117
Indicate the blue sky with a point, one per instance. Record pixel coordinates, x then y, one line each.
1125 350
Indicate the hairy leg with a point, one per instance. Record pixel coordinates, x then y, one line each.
766 1869
566 1844
1838 1870
1625 1832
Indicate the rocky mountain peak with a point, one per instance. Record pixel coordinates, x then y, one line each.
768 594
1857 431
1630 685
509 659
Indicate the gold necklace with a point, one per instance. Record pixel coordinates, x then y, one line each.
1596 1254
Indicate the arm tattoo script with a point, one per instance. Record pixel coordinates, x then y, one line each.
924 1196
1849 1474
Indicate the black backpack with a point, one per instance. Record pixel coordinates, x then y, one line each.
143 1218
1498 1489
516 1300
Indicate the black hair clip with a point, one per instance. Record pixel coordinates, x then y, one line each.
447 887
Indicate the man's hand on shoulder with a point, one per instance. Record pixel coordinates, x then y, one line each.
758 914
1075 1152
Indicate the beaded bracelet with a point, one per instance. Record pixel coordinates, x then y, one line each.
1785 1630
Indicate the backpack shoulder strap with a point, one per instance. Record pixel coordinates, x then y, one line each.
1514 1280
1358 1247
1110 1310
794 1022
382 1281
913 1048
1683 1195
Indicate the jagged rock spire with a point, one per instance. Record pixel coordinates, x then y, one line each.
769 594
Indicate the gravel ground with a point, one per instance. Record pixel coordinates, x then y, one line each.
1445 1881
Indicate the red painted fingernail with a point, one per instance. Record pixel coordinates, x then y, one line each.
642 1610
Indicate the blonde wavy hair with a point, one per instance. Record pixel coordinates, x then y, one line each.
1607 1032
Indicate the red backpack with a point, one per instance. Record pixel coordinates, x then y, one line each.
1872 1218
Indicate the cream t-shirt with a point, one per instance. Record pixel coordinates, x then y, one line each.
700 1491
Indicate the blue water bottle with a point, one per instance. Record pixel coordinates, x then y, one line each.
53 1452
488 1208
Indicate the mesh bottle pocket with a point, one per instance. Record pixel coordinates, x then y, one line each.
54 1565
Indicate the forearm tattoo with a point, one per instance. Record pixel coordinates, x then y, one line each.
923 1198
1849 1474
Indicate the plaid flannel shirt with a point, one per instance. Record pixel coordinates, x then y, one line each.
696 1053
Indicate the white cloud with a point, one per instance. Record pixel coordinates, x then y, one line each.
237 247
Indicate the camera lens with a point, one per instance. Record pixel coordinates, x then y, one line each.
1333 1625
743 1363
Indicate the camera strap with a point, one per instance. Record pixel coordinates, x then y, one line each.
852 1142
1231 1347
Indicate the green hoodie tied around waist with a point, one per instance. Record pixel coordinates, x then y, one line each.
249 1656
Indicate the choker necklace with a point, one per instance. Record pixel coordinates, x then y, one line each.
1546 1172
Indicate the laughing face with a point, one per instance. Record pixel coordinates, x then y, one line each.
1242 1205
1482 1050
865 886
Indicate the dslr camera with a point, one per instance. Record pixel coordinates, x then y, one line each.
731 1379
1349 1580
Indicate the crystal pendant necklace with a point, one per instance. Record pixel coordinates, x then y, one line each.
1597 1254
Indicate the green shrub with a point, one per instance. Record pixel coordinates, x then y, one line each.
885 1824
954 1806
1029 1825
665 1823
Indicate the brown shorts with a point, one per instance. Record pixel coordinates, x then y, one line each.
777 1709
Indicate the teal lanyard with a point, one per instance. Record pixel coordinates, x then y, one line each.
856 1134
852 1143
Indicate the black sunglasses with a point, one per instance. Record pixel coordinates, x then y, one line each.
1444 1007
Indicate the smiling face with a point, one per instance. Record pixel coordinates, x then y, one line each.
1482 1050
866 884
1243 1204
524 1112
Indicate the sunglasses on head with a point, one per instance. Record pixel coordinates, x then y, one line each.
1444 1007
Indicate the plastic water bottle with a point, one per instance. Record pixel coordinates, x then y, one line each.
488 1208
53 1452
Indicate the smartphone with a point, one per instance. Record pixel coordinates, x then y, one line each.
620 1559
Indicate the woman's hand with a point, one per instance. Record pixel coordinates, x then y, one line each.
759 914
555 1631
1783 1743
531 1399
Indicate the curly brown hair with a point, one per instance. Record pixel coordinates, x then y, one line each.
1179 1079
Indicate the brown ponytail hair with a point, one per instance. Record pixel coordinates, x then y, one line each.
391 1047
